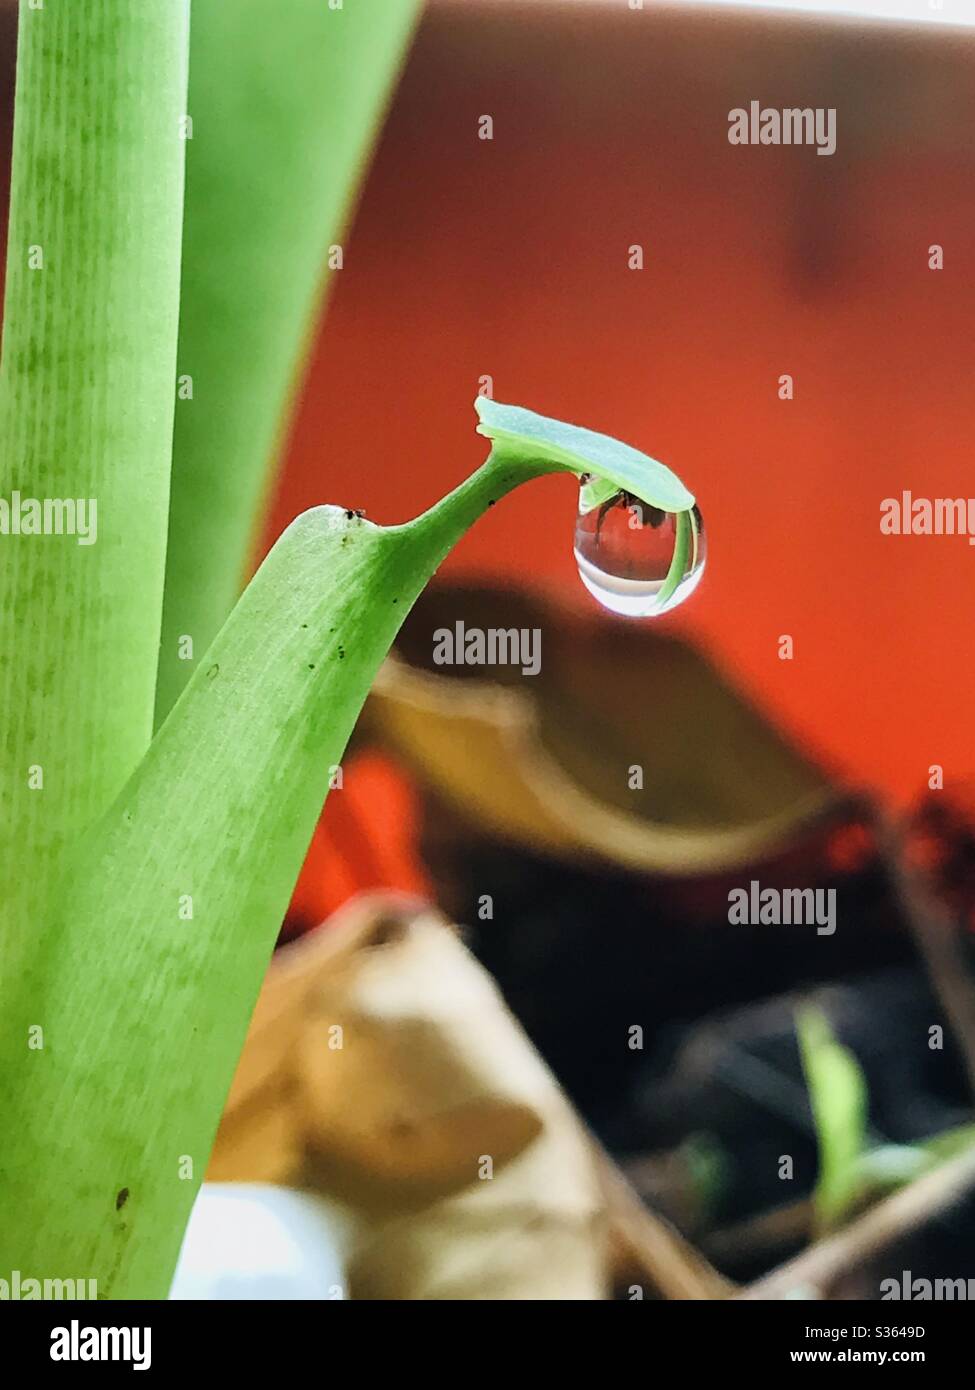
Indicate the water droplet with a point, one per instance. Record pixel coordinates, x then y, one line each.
624 549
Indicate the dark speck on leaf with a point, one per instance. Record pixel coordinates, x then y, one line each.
491 502
349 514
213 671
341 653
311 665
121 1199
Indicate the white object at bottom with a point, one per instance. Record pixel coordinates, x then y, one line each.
257 1241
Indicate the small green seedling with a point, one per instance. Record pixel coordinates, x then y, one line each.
854 1165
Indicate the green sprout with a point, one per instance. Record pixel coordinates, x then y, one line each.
854 1166
838 1098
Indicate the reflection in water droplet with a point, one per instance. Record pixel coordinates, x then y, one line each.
624 549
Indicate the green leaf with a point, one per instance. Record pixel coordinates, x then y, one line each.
144 1011
522 434
144 1007
838 1096
285 99
86 400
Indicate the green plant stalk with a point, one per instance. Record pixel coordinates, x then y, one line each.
285 101
86 404
109 1126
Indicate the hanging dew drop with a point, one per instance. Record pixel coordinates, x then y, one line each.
625 550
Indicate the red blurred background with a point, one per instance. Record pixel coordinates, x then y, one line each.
509 258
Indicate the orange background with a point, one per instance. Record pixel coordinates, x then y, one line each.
509 258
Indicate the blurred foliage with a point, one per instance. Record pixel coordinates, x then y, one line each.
838 1096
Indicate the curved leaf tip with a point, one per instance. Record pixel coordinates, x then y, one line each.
526 436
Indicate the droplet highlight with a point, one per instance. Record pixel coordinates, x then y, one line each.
625 548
